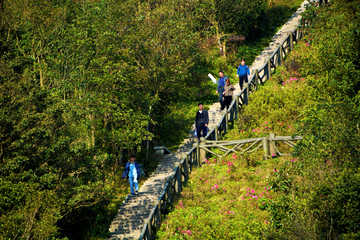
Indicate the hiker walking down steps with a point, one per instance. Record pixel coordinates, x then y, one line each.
132 171
221 85
243 72
201 122
228 93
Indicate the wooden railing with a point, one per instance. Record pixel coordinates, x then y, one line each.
258 77
173 185
270 146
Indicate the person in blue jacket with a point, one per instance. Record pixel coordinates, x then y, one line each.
220 87
132 171
243 72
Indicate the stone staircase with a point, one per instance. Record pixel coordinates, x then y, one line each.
128 223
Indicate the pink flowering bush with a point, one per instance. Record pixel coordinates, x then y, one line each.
276 108
227 200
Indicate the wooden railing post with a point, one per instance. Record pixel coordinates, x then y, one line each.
273 152
237 107
279 56
246 94
189 161
226 121
148 222
202 151
198 154
291 41
158 215
186 167
216 129
281 53
178 177
269 69
256 77
265 143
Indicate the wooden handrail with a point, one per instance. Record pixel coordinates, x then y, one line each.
192 157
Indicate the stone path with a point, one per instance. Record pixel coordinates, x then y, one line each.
128 222
261 59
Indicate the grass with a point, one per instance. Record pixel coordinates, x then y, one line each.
226 200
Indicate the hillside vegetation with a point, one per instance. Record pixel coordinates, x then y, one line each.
84 83
314 194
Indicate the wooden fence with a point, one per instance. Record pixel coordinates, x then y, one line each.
173 185
260 76
270 146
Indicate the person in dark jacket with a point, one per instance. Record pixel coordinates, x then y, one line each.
132 171
201 121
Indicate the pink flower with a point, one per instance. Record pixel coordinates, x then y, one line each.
252 191
266 222
263 203
234 157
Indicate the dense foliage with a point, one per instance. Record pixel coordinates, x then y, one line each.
312 195
84 82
